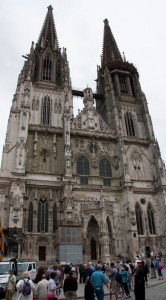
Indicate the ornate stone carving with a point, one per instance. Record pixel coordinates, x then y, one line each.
42 240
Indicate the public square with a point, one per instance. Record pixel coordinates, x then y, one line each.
155 290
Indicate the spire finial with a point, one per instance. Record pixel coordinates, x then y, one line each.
50 7
106 22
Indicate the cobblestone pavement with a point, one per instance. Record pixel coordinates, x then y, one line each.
154 292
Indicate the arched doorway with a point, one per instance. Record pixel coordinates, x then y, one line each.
92 250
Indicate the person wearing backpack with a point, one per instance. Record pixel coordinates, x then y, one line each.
125 275
159 267
25 288
114 284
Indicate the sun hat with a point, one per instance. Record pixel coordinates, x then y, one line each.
25 275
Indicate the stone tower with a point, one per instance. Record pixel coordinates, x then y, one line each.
83 188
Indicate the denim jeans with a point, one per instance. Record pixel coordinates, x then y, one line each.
99 292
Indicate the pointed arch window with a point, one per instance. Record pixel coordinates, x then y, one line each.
123 84
30 218
47 69
46 111
55 223
138 213
42 225
129 124
83 169
105 171
151 222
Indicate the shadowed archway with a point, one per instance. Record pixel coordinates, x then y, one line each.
93 239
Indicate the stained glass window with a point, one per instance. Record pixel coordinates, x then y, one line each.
43 216
47 69
151 222
105 171
83 169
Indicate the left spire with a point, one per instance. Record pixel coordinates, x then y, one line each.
48 35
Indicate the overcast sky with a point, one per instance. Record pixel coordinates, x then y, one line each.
138 27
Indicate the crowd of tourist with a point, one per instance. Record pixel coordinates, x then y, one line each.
120 278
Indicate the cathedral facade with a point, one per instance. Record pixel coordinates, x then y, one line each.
82 188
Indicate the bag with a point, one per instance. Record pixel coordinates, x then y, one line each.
50 296
2 292
118 277
160 267
26 290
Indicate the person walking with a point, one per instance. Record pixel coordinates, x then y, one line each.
145 270
159 267
41 288
20 287
98 280
153 268
88 291
70 286
113 282
139 283
82 273
52 287
124 273
10 289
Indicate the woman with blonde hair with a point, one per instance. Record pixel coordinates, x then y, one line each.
25 288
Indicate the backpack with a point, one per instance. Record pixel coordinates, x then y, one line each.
26 290
160 267
118 277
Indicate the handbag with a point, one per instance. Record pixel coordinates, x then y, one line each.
50 296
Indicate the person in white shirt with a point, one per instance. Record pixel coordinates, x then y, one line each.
19 287
41 288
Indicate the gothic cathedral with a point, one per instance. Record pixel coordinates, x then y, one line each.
84 188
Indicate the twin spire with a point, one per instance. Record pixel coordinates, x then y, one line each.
110 53
48 35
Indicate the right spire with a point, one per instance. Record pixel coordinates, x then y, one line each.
110 51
